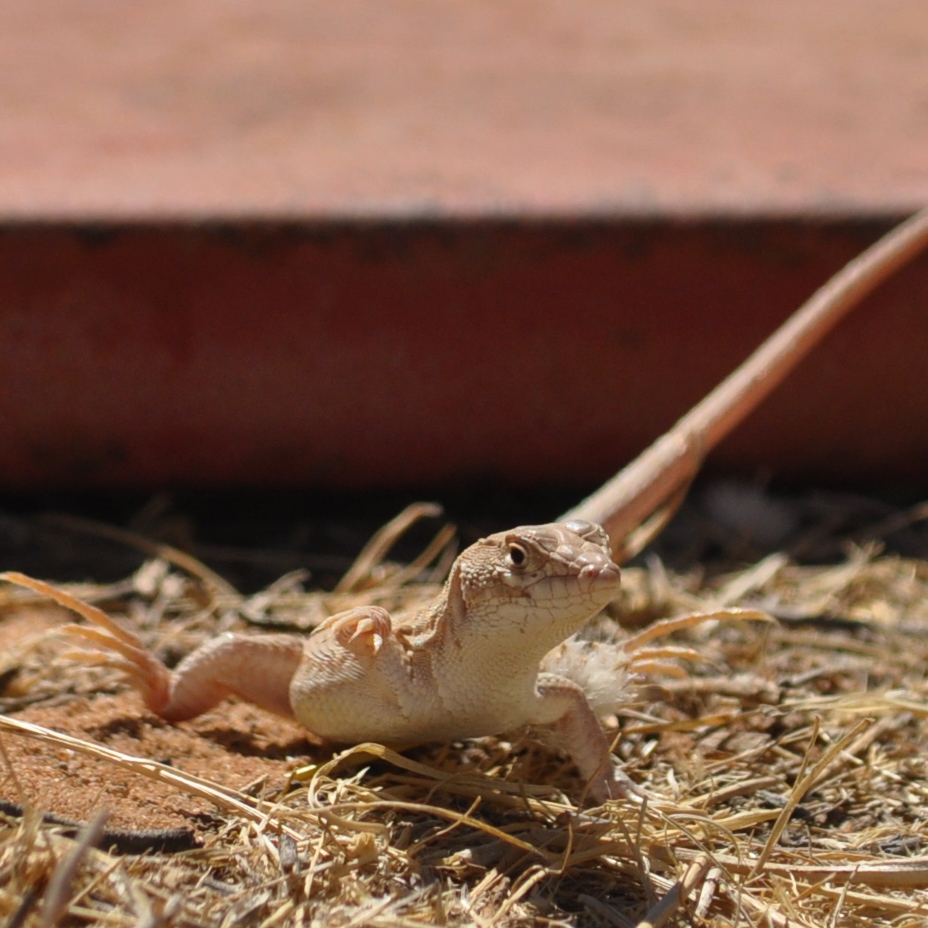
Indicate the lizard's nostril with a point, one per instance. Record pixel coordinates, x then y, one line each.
601 569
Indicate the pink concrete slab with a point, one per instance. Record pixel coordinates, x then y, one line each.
211 107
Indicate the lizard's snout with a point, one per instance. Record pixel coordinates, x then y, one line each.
599 572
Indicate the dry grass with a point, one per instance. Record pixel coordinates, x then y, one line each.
786 775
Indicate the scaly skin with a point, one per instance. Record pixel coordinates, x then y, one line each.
466 666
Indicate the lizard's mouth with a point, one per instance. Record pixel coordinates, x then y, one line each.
603 575
597 566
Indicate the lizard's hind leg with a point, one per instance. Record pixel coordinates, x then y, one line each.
257 668
142 669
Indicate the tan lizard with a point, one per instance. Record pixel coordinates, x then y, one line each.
467 665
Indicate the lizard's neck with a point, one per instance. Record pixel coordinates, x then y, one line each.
446 631
439 615
443 633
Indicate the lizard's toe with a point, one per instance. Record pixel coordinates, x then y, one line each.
364 628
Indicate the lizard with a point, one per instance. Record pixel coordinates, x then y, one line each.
467 665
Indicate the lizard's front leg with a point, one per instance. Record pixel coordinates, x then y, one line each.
262 668
563 704
356 681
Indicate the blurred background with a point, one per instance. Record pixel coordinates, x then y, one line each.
416 248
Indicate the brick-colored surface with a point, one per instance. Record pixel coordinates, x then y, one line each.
273 241
365 356
404 106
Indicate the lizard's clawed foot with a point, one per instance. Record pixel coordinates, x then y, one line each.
614 784
363 629
141 668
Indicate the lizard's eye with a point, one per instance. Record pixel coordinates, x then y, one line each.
517 555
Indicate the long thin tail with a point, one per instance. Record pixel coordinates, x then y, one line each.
659 476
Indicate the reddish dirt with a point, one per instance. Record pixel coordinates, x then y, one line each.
236 745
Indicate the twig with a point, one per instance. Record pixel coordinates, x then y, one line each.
670 904
377 548
186 562
803 784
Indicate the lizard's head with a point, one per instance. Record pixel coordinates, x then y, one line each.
536 584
